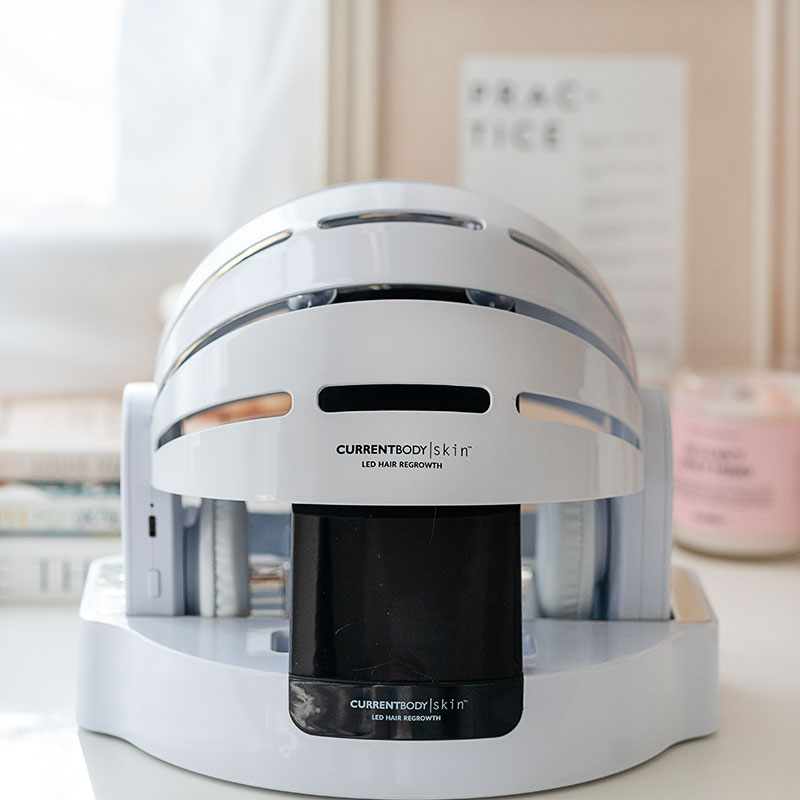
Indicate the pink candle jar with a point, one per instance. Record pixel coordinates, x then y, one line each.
736 456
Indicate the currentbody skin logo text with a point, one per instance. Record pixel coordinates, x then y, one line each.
430 704
431 709
424 455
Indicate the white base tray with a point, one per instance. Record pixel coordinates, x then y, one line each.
210 695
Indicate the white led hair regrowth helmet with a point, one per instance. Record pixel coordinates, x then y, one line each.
406 365
470 327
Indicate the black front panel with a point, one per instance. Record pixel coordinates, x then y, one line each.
406 621
406 711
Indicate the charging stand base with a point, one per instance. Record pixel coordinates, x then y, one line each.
211 696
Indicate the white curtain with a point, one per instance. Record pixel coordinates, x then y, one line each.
133 136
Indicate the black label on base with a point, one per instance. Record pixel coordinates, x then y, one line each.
405 711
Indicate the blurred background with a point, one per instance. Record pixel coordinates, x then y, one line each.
135 135
662 137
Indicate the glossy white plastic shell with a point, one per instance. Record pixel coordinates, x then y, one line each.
313 258
294 458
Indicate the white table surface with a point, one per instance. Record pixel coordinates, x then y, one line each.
755 754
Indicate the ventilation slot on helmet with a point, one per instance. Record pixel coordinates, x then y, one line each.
444 294
277 404
557 320
410 291
548 252
404 397
402 216
554 409
262 244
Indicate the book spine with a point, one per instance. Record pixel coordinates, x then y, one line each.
75 515
54 466
42 568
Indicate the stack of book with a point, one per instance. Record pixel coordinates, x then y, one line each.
59 493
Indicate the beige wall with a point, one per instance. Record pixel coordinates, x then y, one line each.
420 43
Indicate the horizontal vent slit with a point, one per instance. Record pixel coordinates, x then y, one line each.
447 294
568 412
404 397
265 406
548 252
550 317
257 247
453 220
411 291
